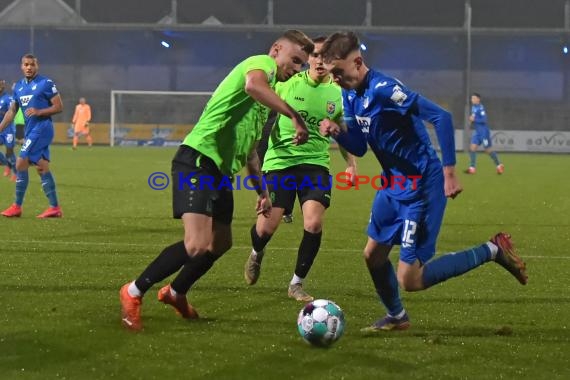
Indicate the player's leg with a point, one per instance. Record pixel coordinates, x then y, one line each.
4 161
314 193
11 158
88 137
384 231
313 213
198 235
76 134
40 155
282 196
488 146
22 178
475 142
417 270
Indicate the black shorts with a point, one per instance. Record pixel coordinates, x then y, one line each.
196 187
308 182
20 131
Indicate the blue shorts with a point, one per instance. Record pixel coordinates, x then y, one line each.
7 137
482 136
413 224
36 144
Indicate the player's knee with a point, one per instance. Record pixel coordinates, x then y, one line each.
410 281
195 247
313 226
21 165
373 259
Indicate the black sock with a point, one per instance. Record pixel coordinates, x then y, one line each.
168 262
258 242
308 250
195 268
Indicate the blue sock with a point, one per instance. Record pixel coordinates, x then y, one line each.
495 158
48 184
386 284
3 160
454 264
12 162
473 158
22 180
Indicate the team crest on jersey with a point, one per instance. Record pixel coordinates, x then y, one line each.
398 96
331 107
24 100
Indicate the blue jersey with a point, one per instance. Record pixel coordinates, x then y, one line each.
478 113
36 93
385 111
5 101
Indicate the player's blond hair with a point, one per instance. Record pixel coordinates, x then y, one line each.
299 38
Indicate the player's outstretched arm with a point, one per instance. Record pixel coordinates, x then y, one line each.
257 87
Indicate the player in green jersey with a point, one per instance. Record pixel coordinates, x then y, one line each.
217 147
301 171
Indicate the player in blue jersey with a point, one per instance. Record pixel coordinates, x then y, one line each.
381 113
481 135
38 98
7 136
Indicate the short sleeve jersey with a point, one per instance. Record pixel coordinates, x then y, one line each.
36 93
229 125
314 102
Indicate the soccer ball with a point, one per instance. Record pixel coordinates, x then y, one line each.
321 323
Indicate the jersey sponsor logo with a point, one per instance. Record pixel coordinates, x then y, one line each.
24 100
331 107
398 96
299 98
364 123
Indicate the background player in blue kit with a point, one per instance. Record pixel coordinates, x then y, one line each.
38 98
481 135
8 135
385 115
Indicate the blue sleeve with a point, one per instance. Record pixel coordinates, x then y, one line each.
441 120
49 90
353 140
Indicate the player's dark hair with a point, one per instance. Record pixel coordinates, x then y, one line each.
339 45
477 95
299 38
319 39
29 56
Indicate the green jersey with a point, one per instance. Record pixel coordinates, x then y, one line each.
314 102
231 121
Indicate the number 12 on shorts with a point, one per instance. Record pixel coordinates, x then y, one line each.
408 238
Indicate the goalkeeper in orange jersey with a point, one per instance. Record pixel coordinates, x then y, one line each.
80 121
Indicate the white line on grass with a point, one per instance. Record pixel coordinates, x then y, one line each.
98 243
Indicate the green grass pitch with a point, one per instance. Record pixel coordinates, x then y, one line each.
59 282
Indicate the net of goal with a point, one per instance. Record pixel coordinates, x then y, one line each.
154 118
